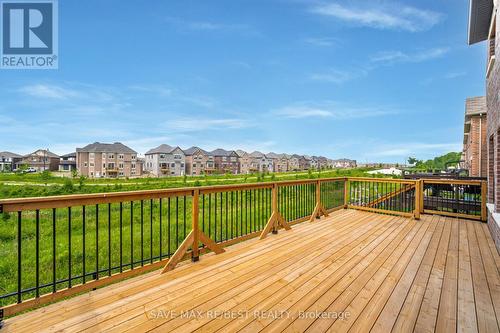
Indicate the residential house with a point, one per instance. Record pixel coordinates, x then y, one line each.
108 160
245 161
199 162
8 161
40 160
312 162
322 162
165 160
260 162
346 163
67 163
475 155
226 161
303 163
484 24
294 163
280 161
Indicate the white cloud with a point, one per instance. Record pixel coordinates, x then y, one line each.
337 76
381 15
331 110
207 26
322 41
454 75
199 124
414 149
389 57
49 91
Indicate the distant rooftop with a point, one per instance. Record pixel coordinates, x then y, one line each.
98 147
475 106
162 149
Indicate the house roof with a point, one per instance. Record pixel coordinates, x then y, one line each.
241 153
190 151
480 12
45 152
69 155
8 154
223 152
257 154
475 106
98 147
162 149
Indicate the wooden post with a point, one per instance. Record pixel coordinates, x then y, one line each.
193 239
276 218
421 197
318 209
484 195
346 192
417 209
195 218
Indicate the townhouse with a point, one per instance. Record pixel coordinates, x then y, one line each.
8 161
260 162
294 163
40 160
475 155
345 163
226 161
165 160
483 26
199 162
280 161
67 163
107 160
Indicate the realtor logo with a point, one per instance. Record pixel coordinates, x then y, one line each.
29 34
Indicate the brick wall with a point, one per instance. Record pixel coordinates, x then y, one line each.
493 105
475 150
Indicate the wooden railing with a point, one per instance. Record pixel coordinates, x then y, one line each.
53 247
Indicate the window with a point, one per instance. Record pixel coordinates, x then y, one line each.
120 165
182 165
161 156
133 165
91 164
120 157
177 157
104 165
111 165
133 157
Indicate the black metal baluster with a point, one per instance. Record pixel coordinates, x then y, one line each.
210 215
203 213
97 242
215 217
227 211
69 248
84 222
37 263
109 239
19 257
151 231
131 235
184 216
142 232
54 284
236 216
161 229
168 222
232 214
221 229
177 222
121 237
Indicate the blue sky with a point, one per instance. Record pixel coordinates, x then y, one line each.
369 80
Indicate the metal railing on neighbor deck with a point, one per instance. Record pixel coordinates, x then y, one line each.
53 247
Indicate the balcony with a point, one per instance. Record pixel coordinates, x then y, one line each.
335 254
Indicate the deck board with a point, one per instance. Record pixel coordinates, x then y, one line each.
383 273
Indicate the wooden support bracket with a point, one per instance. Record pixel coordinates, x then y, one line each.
318 211
193 239
272 224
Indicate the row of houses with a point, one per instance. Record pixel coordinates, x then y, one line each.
110 160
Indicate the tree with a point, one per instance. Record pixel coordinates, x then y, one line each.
412 160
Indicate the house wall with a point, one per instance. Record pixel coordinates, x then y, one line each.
196 164
162 165
227 164
95 165
493 137
476 148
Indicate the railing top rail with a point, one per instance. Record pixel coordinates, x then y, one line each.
453 181
61 201
383 180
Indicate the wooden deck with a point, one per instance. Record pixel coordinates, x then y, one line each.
353 271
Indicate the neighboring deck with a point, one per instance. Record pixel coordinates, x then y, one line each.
437 274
